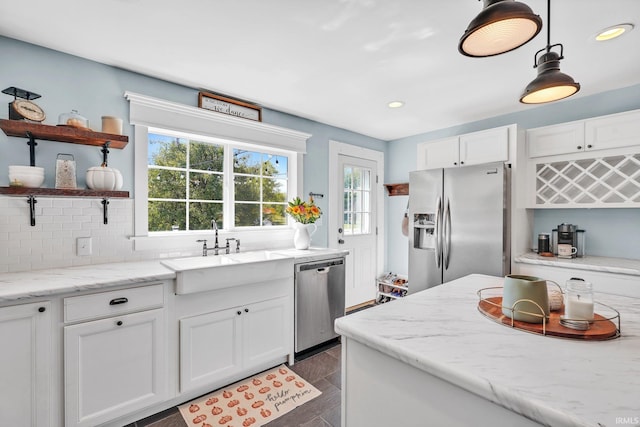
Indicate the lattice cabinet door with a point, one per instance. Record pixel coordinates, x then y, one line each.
612 181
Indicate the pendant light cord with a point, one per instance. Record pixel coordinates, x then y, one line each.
548 26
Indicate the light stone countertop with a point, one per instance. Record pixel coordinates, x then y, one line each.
42 283
556 382
592 263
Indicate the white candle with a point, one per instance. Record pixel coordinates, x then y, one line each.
577 308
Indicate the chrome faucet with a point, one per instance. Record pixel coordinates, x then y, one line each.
227 247
215 248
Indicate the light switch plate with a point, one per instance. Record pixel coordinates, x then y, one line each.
83 246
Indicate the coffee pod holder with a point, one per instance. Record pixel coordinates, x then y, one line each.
602 327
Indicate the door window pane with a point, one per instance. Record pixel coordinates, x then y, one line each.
357 200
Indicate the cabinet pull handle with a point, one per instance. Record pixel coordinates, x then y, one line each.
246 310
41 309
119 323
117 301
239 312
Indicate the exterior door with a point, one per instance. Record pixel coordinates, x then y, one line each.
357 233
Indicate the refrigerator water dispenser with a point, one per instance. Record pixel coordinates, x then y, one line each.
424 226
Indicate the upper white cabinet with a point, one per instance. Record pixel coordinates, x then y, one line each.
25 365
585 164
555 140
475 148
602 133
618 130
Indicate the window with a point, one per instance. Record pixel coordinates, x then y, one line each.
260 188
357 200
186 184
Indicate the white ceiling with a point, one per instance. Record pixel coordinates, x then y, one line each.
335 61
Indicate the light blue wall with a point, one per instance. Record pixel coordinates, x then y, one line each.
67 82
604 225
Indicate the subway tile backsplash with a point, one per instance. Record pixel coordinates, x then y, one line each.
51 243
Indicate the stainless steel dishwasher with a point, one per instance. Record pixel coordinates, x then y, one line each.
319 301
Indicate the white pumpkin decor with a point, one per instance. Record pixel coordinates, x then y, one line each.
101 178
119 180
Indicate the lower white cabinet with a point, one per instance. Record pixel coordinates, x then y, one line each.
116 365
223 343
25 365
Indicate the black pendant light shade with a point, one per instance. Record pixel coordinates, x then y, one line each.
551 84
503 25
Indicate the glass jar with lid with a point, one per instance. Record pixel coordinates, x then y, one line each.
578 300
72 119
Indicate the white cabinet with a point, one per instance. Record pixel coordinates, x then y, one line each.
602 133
114 365
223 343
555 140
25 365
618 130
475 148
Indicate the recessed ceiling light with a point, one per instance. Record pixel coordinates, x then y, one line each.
395 104
613 32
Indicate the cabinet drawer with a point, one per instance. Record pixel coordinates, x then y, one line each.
112 303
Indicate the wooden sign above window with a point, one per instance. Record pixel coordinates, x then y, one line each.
232 107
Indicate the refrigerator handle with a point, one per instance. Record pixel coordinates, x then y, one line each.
447 235
438 220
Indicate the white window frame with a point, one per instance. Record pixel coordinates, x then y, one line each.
149 114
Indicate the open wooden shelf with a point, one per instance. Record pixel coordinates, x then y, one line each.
70 134
62 192
398 189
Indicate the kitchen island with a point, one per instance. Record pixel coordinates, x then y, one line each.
432 359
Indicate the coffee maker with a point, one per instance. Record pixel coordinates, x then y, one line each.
569 234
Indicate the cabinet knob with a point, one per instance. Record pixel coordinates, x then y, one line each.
239 312
455 163
579 147
42 309
462 163
246 310
119 323
589 146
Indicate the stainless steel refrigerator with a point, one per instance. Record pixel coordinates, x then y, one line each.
459 221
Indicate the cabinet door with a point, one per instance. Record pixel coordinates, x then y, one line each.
25 365
554 140
484 147
113 367
443 153
620 130
267 331
209 348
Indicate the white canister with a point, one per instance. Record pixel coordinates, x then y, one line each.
112 125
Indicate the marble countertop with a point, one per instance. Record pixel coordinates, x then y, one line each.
41 283
592 263
556 382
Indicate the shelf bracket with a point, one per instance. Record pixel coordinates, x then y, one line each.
105 218
32 209
32 148
105 152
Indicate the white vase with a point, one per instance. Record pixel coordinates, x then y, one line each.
302 235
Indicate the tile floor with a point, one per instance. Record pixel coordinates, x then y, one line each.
320 367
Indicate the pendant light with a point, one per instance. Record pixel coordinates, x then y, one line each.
501 26
550 85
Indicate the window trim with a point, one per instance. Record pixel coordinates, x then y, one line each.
151 113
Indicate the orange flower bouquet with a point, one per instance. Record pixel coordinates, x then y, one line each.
303 212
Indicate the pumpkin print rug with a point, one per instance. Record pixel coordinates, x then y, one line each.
252 402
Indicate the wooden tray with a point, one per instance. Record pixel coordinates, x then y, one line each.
601 329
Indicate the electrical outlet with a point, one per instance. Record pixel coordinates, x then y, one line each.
83 246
